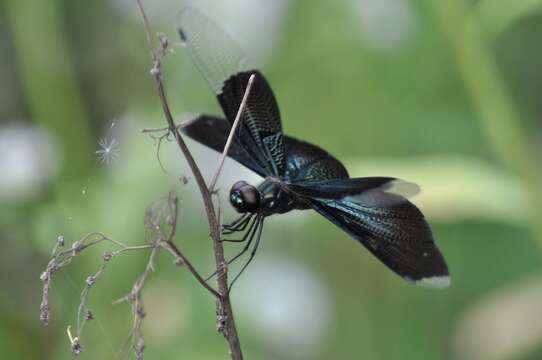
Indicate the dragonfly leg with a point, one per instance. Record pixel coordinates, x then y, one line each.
237 225
240 228
252 254
248 235
252 231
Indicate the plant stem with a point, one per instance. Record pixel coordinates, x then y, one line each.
230 331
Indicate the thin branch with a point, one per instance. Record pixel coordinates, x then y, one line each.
180 259
224 304
154 222
234 127
138 311
158 142
62 258
169 213
147 25
160 219
160 130
166 242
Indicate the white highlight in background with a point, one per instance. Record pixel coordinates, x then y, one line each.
385 24
287 305
28 160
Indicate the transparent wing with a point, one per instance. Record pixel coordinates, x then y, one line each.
213 51
225 68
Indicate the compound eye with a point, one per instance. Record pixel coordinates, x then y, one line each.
237 201
244 197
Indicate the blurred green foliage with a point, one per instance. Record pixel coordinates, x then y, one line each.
466 82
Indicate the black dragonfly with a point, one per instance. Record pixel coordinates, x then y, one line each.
299 175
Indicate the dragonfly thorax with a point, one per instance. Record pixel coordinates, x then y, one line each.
267 198
274 199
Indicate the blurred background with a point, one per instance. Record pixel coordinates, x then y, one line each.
444 93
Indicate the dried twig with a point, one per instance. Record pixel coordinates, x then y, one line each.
160 130
224 304
158 218
158 142
138 311
161 221
61 259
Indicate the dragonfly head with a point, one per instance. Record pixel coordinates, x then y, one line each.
244 197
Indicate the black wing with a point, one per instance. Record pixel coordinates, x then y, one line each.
213 132
304 161
391 227
225 68
307 162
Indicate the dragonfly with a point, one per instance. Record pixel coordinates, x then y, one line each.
298 175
